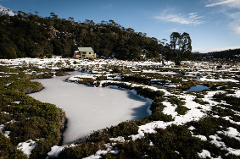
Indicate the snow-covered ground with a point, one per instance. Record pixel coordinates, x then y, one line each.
108 103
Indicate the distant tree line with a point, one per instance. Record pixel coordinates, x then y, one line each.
29 35
231 54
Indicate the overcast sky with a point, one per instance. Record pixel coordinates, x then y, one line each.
212 24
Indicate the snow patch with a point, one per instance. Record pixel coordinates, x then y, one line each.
27 146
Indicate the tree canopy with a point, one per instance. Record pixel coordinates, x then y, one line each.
29 35
184 43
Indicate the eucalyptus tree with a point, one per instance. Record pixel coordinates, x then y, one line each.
164 44
184 43
174 41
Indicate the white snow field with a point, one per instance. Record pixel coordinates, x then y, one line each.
90 108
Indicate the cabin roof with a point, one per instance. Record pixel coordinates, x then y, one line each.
86 49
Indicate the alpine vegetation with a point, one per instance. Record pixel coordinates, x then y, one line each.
182 123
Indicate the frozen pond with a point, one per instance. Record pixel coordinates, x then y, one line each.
90 108
198 87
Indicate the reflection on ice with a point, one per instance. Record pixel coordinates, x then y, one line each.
90 108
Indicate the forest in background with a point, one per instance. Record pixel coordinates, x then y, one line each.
29 35
231 54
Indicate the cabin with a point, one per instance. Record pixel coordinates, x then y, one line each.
84 52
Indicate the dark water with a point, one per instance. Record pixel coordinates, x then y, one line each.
198 87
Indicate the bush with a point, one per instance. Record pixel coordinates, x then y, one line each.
101 78
173 142
7 150
116 70
86 81
158 115
157 104
81 150
180 108
61 73
124 129
25 86
34 120
200 101
149 93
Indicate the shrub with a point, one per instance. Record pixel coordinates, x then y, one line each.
91 58
25 86
116 70
81 150
200 101
86 81
199 95
61 73
173 142
75 62
124 129
180 108
149 93
175 138
209 126
158 115
7 150
157 104
101 78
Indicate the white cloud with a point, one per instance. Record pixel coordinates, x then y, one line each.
206 50
106 6
234 15
235 25
230 7
190 19
4 10
229 3
176 29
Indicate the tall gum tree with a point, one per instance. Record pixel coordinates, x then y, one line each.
184 43
174 38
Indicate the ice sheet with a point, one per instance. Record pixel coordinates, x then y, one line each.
90 108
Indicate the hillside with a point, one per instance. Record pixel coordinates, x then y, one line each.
231 54
29 35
